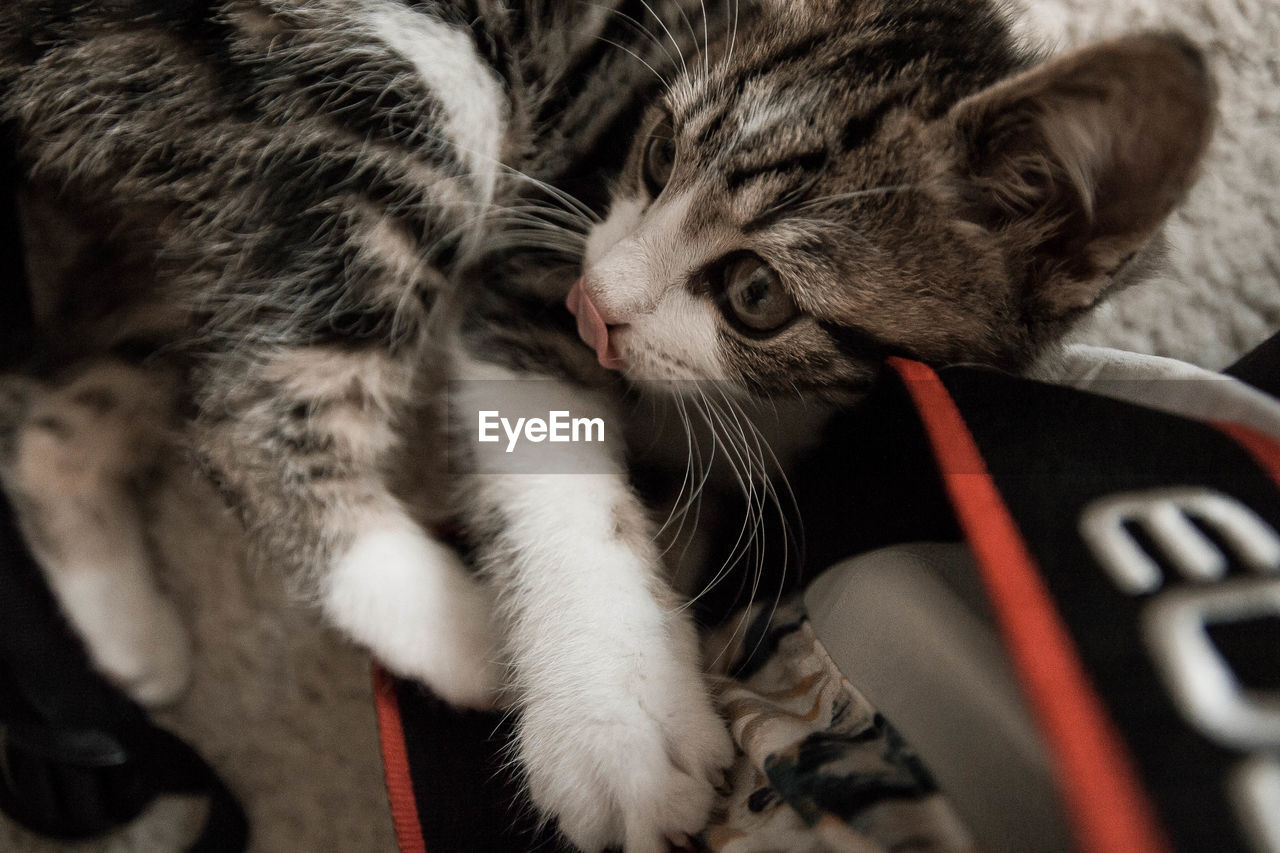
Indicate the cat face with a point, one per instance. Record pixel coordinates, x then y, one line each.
838 185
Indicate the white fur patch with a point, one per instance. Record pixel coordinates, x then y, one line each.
678 341
624 217
618 737
466 86
637 266
105 587
655 256
763 115
412 602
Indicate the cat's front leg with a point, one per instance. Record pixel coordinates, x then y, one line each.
617 734
301 441
72 456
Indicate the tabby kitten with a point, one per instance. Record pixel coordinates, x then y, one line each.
340 203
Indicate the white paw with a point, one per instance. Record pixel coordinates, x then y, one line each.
638 769
411 600
132 632
152 660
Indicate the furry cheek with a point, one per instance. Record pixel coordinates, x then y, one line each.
677 341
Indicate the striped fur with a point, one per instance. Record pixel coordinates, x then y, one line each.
918 184
310 174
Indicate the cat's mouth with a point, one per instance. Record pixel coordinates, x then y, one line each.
593 329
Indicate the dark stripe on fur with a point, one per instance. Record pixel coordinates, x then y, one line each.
809 162
861 128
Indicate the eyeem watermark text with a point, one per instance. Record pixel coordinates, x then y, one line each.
559 427
532 426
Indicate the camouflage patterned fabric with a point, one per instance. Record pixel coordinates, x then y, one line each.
819 769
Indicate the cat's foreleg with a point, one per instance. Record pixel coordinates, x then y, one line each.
72 457
301 441
617 734
410 600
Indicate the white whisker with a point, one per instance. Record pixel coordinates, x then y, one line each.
752 519
706 40
827 199
638 58
762 447
688 25
683 67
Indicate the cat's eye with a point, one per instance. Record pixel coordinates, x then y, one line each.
753 297
659 157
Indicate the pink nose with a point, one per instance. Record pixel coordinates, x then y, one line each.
592 327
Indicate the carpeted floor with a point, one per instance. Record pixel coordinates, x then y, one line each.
282 706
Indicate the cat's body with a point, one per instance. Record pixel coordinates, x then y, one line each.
333 205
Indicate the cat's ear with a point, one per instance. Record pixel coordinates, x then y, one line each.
1077 162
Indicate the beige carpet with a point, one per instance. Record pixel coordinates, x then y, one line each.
1221 293
282 706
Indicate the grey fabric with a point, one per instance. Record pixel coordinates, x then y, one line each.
907 627
1165 384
